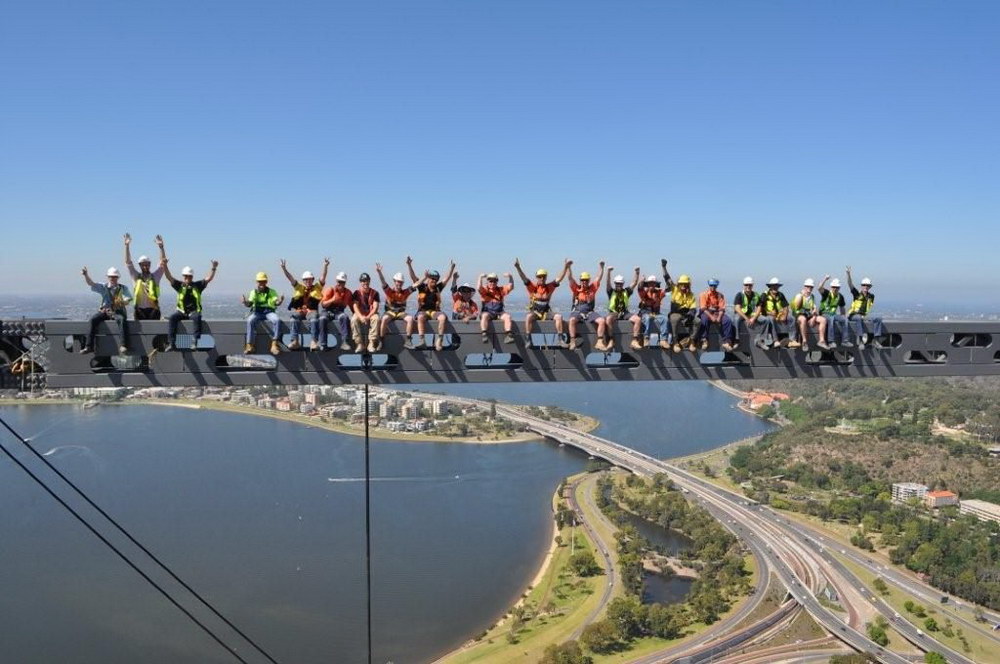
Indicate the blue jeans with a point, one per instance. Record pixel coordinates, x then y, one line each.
270 317
727 330
836 328
317 326
651 319
342 320
770 329
857 323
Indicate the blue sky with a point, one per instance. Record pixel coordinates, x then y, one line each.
786 138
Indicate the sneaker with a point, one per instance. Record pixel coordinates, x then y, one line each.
823 345
372 346
692 346
763 345
295 344
248 348
793 344
275 349
677 348
805 348
313 345
122 350
636 344
344 346
194 344
358 343
169 348
664 344
704 344
408 343
438 342
864 340
508 338
86 350
846 344
726 346
861 345
486 338
831 345
601 345
574 343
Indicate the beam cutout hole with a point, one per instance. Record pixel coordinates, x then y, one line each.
926 357
719 358
611 361
246 363
366 362
493 361
974 340
828 357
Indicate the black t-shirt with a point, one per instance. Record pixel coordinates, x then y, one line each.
188 303
429 298
366 304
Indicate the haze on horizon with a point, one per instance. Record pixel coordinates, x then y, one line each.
783 139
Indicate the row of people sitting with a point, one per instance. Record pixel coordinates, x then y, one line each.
360 326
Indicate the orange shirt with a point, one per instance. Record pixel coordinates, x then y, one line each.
583 293
463 307
337 297
395 300
495 293
711 300
541 292
650 298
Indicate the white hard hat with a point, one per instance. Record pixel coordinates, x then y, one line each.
398 276
653 278
308 275
187 271
866 282
809 282
619 279
835 283
748 281
774 281
342 276
144 259
113 272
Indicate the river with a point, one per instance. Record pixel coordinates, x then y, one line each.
266 519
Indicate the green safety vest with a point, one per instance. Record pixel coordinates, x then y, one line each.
183 291
618 301
806 304
829 303
773 304
266 301
862 304
152 288
749 302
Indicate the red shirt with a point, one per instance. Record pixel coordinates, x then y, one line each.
495 293
337 297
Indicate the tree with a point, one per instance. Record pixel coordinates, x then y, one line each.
877 634
880 585
600 637
583 563
931 625
566 653
665 622
909 605
628 617
934 658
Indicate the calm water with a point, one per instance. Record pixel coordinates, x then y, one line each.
266 519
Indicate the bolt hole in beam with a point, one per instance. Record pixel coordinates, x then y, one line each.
539 340
978 340
611 361
829 357
493 361
119 363
246 363
718 358
926 357
69 341
367 362
205 342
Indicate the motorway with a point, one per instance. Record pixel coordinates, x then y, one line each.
802 567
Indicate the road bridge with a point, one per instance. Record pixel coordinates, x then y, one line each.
909 349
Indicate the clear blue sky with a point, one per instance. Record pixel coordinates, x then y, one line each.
786 138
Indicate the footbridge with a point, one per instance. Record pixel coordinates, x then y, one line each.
46 353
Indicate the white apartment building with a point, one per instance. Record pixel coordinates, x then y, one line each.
903 491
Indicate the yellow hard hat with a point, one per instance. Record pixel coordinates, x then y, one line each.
541 272
585 275
262 276
684 279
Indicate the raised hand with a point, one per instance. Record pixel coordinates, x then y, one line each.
84 271
128 239
282 263
600 264
159 241
568 262
215 263
637 270
611 268
378 267
517 262
663 262
326 261
409 260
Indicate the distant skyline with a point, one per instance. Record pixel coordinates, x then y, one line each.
734 138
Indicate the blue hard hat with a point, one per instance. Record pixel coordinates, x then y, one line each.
713 282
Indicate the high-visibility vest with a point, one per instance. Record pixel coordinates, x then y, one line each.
773 304
749 302
263 301
152 288
681 300
829 303
618 301
862 303
803 304
182 293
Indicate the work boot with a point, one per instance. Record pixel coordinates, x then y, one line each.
275 349
248 348
486 337
86 350
508 338
664 344
726 346
704 344
408 344
373 346
574 343
677 348
438 342
295 344
692 346
345 346
636 344
793 344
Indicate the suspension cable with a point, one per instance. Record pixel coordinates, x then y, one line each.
368 529
134 541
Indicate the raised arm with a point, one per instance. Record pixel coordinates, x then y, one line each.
562 275
381 277
326 269
850 282
288 275
608 285
211 273
569 273
635 279
166 270
668 283
479 281
86 277
413 275
159 245
128 251
520 272
600 272
822 284
451 273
